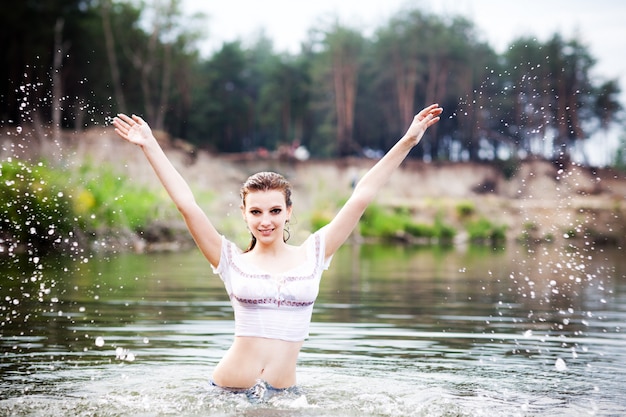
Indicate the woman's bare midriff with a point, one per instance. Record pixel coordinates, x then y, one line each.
252 358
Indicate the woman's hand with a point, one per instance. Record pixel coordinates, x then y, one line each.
133 129
422 121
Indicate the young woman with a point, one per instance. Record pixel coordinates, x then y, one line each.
272 285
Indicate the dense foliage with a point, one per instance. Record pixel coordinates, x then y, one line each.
75 63
44 208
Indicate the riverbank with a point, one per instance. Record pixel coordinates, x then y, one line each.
532 201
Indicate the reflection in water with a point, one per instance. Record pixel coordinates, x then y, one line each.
397 331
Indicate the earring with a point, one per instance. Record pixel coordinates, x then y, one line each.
286 230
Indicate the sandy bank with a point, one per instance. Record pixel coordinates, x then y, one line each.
540 200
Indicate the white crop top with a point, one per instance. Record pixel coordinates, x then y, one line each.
274 306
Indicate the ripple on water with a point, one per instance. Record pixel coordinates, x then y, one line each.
371 352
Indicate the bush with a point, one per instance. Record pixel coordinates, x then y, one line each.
42 206
35 206
443 231
102 200
482 230
465 209
377 222
420 230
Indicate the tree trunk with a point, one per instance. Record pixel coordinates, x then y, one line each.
436 87
166 79
57 88
344 82
339 101
112 57
405 74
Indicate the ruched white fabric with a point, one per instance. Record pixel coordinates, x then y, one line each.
274 306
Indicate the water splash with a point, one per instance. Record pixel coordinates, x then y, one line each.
558 268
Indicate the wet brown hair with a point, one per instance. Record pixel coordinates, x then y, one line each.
265 181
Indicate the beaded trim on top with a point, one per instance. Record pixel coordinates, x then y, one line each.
278 302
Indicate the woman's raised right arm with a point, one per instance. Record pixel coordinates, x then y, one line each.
135 130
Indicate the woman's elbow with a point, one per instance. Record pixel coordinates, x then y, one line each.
186 206
359 203
364 195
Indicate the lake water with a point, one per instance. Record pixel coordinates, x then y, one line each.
397 331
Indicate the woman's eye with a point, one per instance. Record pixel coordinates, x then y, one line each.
254 212
275 211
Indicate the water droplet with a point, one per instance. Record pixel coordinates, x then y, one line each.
120 353
99 341
560 365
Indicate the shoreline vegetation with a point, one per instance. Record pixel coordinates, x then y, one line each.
92 190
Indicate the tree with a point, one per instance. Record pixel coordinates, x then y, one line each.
36 59
284 100
606 105
423 58
552 95
56 73
221 102
154 57
80 61
401 65
336 72
620 155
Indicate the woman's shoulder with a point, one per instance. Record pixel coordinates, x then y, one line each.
317 234
315 244
228 244
228 253
312 240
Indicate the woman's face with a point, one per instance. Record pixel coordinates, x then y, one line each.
266 213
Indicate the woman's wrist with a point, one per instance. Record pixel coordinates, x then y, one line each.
408 141
150 143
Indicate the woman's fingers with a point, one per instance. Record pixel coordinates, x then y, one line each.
131 128
423 113
123 124
138 119
432 110
125 118
430 115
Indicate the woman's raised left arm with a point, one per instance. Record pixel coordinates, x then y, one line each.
340 228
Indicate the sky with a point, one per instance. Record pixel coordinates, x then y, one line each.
599 24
